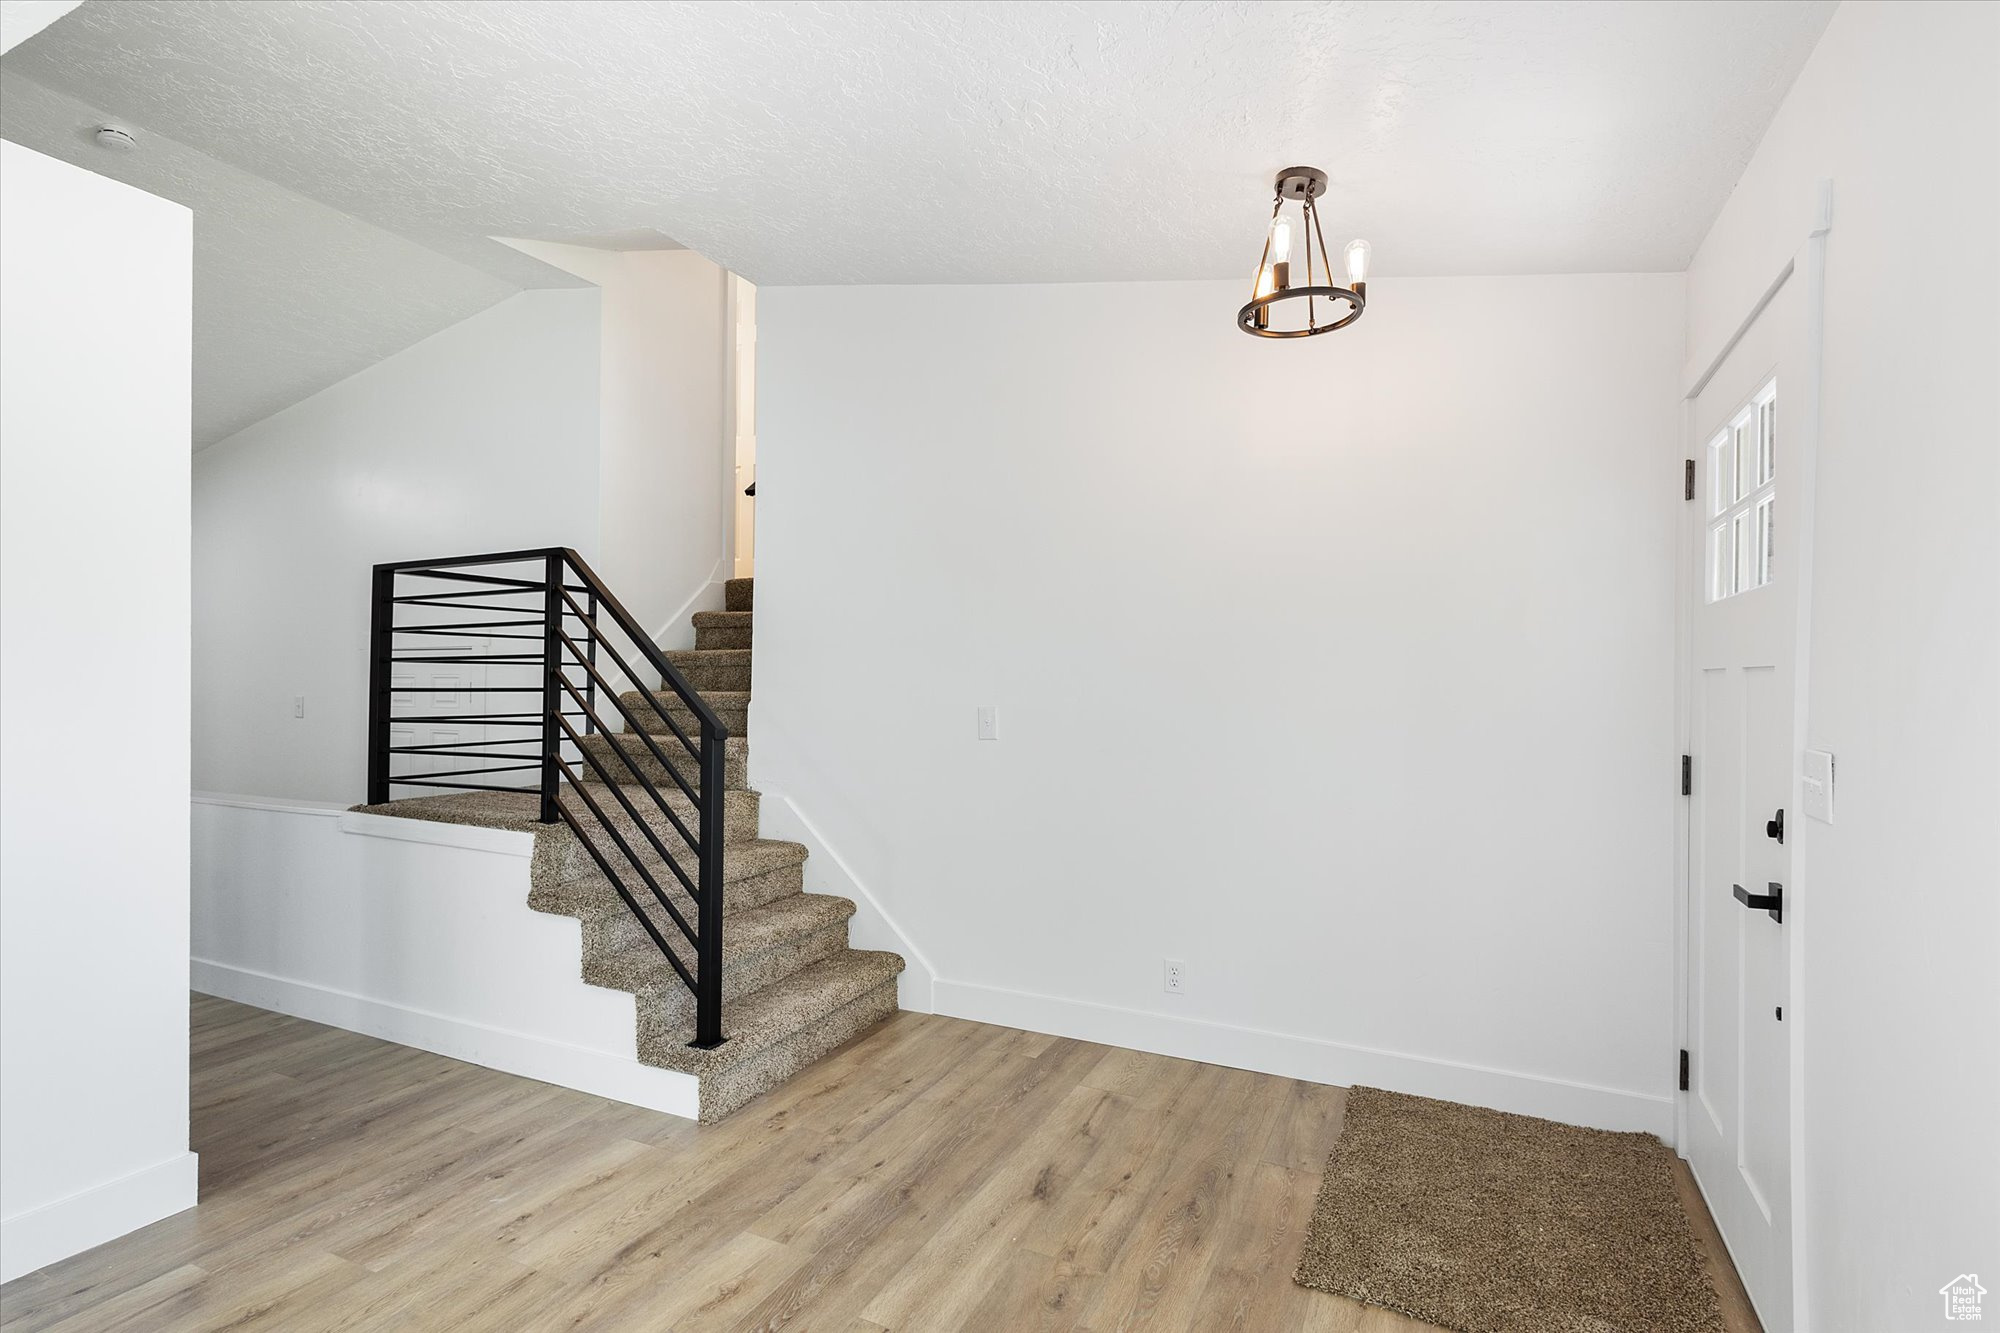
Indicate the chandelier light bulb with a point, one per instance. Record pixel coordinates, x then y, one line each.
1267 281
1281 240
1357 261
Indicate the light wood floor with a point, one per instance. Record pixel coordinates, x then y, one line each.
935 1175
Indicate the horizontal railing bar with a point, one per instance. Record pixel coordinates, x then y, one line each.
470 632
483 772
449 601
455 561
618 790
470 592
633 903
476 659
605 823
466 689
633 722
637 681
497 585
439 629
461 786
458 606
490 580
466 745
497 719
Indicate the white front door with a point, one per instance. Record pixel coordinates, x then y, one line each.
1742 695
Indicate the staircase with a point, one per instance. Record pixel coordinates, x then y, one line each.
791 988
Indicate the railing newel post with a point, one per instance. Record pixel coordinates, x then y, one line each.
551 692
708 952
381 648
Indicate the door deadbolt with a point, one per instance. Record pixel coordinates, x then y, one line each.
1775 828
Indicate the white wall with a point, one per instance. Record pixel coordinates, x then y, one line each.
1340 671
22 19
480 438
1900 896
415 932
664 476
95 306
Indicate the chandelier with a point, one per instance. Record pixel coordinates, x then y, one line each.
1327 307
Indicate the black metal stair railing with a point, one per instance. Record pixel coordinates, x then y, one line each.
551 599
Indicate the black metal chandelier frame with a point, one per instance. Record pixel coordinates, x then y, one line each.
1305 184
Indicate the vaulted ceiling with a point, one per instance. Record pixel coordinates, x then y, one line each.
944 142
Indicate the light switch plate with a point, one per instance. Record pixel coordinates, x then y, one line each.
1817 785
989 722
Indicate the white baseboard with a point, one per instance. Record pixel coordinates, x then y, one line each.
40 1236
1309 1058
1286 1054
871 926
708 592
622 1079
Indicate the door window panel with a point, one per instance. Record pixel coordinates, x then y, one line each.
1742 497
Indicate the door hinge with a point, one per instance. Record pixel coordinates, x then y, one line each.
1687 775
1684 1069
1687 484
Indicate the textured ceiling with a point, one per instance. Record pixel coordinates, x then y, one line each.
289 295
970 142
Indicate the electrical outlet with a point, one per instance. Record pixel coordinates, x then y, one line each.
298 705
989 722
1176 976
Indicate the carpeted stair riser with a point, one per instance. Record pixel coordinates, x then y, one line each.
670 1003
735 760
721 629
724 1091
774 1031
609 937
739 594
713 668
764 1017
755 873
739 815
732 709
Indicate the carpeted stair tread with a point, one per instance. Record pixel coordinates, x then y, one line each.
739 594
735 758
722 629
709 669
747 935
719 700
732 709
561 866
766 1017
519 811
708 656
585 893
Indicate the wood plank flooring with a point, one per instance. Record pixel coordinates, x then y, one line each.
935 1175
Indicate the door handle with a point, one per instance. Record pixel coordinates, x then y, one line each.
1772 902
1775 828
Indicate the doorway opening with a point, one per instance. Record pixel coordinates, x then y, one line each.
742 415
